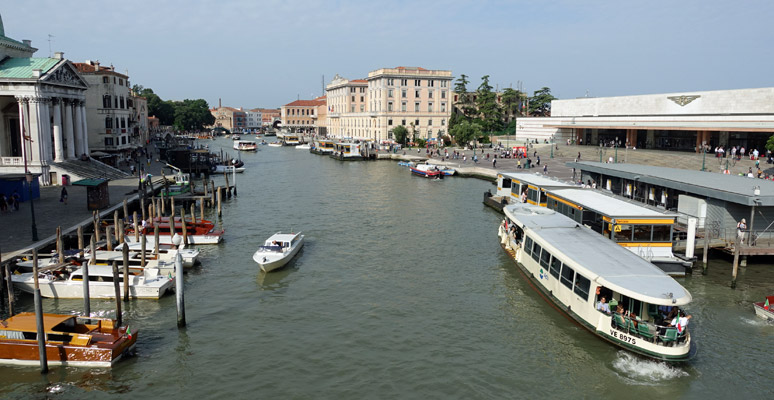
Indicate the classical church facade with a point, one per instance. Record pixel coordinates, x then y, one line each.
42 111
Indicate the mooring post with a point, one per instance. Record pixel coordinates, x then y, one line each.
706 251
212 194
185 229
126 209
156 240
115 223
234 176
117 289
172 226
736 264
142 250
142 208
125 254
201 209
96 226
150 210
80 240
59 244
220 200
172 206
39 316
9 289
163 205
120 232
136 228
193 212
228 188
179 295
85 269
108 238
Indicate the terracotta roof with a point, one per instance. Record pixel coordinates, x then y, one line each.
416 68
358 81
305 103
85 68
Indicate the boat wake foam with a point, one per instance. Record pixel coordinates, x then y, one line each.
641 371
756 321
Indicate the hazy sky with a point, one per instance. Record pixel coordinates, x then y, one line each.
268 53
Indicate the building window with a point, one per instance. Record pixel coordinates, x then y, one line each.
123 139
403 122
443 94
389 122
443 107
122 102
115 101
416 106
123 122
362 90
114 80
430 94
404 82
108 141
403 106
389 106
108 123
416 122
430 83
429 122
403 93
352 90
417 82
455 98
443 121
362 107
105 79
390 81
389 93
120 82
353 99
106 101
443 83
429 107
362 99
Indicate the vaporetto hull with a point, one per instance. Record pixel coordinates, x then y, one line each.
582 310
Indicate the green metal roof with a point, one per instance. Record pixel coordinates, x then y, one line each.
89 182
21 68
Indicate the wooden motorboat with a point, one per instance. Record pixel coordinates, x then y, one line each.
426 171
200 232
66 282
278 249
190 257
765 309
70 341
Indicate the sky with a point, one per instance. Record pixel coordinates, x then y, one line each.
269 53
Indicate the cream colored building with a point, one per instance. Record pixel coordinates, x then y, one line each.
414 97
302 115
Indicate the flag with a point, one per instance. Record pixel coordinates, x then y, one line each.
766 306
679 325
129 332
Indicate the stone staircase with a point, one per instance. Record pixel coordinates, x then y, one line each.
91 169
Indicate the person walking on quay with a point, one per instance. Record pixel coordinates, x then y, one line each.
741 227
538 160
494 163
15 199
464 159
545 169
63 196
3 203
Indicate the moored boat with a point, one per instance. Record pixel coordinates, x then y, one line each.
245 145
303 147
199 232
427 171
323 147
278 250
764 309
575 268
70 341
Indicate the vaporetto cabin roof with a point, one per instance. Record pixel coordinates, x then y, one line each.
610 206
597 258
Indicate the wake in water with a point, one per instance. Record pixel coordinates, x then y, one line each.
756 321
641 371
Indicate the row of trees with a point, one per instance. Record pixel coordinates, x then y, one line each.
481 114
190 115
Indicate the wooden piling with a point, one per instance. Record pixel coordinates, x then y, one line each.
228 187
706 252
205 190
201 209
736 264
235 185
142 208
9 289
115 222
143 245
125 254
163 205
80 240
121 231
212 194
220 201
172 205
96 226
108 238
185 229
126 209
117 288
136 228
39 315
156 240
193 213
172 226
150 210
59 245
85 268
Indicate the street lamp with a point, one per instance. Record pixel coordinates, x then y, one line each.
29 178
704 155
552 146
615 144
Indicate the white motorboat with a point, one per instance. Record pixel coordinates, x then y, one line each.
278 250
245 145
275 144
303 147
223 169
67 283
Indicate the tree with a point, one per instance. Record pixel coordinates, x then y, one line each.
511 101
770 143
192 115
400 133
465 131
464 101
488 109
540 103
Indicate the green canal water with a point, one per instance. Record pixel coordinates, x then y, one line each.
401 291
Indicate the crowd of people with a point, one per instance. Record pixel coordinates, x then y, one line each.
9 203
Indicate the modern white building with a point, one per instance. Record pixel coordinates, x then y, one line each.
254 118
42 111
676 121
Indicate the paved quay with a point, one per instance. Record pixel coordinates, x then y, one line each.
15 227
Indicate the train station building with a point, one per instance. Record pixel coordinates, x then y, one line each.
672 121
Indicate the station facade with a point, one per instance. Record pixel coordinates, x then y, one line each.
686 121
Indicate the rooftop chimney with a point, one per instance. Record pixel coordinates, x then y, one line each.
96 66
36 72
59 55
27 42
219 103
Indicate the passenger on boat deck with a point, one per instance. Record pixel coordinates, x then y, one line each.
619 310
603 306
674 312
144 224
682 319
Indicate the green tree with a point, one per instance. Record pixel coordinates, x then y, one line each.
511 103
400 133
540 103
770 143
464 102
488 110
465 131
192 114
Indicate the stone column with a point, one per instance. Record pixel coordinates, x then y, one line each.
33 130
58 145
68 129
78 127
23 118
44 130
84 128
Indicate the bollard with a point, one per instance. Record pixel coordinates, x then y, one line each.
117 289
96 226
736 265
193 213
120 232
9 288
179 295
85 269
136 228
185 229
108 238
220 200
39 316
142 251
126 209
125 254
142 208
156 240
80 241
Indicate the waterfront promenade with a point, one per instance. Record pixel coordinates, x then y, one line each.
15 231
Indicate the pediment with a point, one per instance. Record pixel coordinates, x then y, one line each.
65 74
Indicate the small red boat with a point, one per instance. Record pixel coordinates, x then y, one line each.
427 171
200 232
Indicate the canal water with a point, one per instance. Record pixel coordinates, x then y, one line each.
401 291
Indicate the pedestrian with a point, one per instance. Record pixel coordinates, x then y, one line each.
741 227
63 196
545 169
578 157
494 163
464 159
538 160
15 198
3 203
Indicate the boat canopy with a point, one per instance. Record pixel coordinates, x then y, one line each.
598 258
608 205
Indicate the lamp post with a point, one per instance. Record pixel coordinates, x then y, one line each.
29 178
600 151
704 155
616 150
552 146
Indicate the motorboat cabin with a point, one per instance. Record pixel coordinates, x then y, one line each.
575 268
345 151
323 147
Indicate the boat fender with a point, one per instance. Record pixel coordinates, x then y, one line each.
599 289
